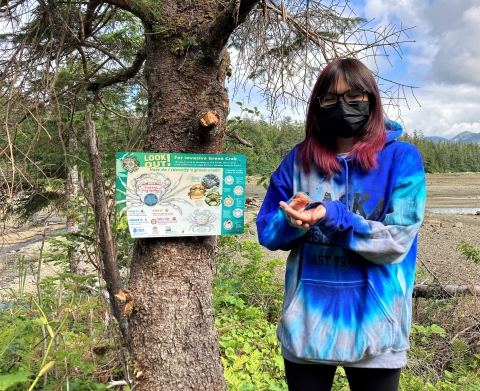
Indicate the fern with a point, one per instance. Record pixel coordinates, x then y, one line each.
239 362
253 364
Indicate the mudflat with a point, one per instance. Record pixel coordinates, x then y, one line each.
460 190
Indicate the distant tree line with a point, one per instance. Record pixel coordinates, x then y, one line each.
272 142
441 157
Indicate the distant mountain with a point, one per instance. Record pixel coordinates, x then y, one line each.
437 139
466 137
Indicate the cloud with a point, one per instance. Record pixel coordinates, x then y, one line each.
443 62
458 55
444 111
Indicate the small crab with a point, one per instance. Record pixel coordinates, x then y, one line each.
151 189
197 191
201 221
214 198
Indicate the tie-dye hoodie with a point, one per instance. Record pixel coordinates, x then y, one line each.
349 278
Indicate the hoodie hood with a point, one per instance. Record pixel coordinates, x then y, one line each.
394 130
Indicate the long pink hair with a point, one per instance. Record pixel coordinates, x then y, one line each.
318 148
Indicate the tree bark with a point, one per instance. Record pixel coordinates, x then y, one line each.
422 290
173 340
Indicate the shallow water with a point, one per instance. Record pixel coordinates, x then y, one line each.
37 238
453 211
462 198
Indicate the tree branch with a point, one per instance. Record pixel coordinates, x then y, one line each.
5 7
126 5
93 45
121 76
242 141
107 251
234 14
90 16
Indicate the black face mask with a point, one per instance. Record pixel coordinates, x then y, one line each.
345 120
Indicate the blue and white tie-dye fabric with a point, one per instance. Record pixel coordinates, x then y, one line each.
349 279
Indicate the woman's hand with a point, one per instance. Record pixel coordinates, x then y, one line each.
298 215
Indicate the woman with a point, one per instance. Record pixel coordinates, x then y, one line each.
347 202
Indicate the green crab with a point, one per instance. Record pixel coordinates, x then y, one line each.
214 198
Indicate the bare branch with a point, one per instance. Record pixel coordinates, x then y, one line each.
90 44
283 45
121 76
110 271
89 17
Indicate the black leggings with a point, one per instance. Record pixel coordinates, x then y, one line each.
317 377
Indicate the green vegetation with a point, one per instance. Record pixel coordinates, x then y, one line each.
471 252
57 340
63 337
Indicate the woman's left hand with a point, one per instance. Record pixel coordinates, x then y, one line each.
303 218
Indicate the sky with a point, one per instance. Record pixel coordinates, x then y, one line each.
443 62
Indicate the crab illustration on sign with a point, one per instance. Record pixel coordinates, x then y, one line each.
238 190
201 221
197 191
229 201
214 198
238 213
151 189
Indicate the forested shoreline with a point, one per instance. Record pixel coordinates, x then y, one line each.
271 142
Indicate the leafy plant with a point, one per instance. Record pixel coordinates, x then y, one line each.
247 295
471 252
47 342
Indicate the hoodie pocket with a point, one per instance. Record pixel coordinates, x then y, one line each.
339 322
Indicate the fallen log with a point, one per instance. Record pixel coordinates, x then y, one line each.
425 291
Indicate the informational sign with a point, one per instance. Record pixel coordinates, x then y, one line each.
175 194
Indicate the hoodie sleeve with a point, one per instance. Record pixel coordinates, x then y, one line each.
387 241
273 225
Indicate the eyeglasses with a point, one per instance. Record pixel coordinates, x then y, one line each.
351 97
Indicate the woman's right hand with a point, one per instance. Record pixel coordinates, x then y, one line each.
298 215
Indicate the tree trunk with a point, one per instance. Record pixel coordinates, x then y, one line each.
71 192
173 340
445 290
106 246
